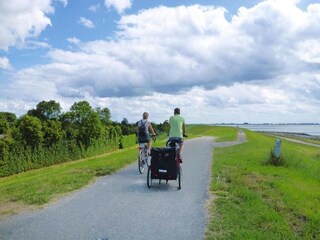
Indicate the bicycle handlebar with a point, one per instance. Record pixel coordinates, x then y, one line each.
154 137
184 135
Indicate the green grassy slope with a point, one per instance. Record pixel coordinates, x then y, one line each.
253 200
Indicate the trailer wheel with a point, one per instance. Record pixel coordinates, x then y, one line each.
179 177
149 179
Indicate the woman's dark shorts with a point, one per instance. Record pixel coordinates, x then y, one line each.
144 139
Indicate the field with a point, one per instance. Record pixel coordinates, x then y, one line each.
250 198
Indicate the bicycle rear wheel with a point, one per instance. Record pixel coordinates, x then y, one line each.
141 163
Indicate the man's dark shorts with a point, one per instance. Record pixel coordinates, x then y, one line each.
177 140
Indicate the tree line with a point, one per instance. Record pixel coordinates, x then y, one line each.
45 135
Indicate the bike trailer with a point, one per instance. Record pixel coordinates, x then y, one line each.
164 164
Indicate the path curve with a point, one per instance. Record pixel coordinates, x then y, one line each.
241 139
120 206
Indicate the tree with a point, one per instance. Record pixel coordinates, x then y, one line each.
125 129
81 110
154 126
10 117
30 129
46 110
4 155
52 132
165 127
7 121
125 122
4 126
86 121
67 122
104 115
91 128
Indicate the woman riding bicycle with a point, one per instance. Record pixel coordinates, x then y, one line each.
177 129
144 128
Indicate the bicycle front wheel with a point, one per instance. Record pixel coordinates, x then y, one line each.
141 163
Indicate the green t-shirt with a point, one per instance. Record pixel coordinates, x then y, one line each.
176 123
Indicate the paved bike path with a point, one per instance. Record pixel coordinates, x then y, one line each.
120 206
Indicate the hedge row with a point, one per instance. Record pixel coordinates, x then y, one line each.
15 158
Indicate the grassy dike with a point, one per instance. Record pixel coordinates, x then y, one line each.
252 199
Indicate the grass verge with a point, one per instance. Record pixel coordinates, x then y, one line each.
254 200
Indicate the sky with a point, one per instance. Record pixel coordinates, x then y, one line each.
219 61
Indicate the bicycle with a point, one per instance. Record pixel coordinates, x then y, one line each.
143 158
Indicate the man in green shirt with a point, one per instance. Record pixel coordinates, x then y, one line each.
177 129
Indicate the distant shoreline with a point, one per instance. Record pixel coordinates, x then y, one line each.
303 135
301 130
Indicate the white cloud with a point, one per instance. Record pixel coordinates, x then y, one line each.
5 63
31 44
259 63
119 5
187 46
20 20
73 40
86 22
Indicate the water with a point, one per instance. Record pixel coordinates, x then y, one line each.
288 128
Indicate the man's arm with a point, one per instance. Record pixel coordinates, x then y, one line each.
137 128
184 129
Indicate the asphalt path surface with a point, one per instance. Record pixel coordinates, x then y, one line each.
121 206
